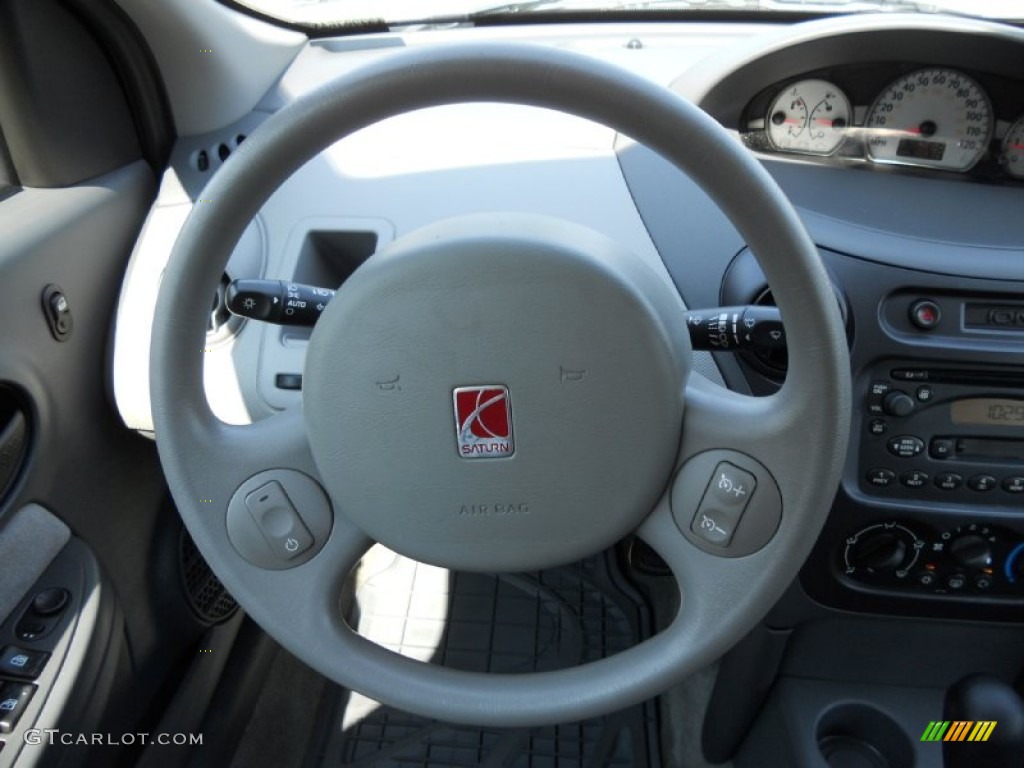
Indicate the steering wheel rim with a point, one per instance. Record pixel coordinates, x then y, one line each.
207 461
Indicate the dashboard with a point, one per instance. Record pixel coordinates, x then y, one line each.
907 171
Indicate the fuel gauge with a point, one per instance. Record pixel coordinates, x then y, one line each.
1012 157
809 116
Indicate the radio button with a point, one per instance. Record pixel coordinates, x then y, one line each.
925 394
906 446
941 447
881 477
915 479
877 427
948 481
981 483
1014 484
878 390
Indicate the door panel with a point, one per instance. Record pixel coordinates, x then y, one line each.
76 183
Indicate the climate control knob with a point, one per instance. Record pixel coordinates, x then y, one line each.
898 403
971 551
881 551
883 548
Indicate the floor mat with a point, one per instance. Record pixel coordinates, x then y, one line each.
495 623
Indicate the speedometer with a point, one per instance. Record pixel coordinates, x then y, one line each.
936 118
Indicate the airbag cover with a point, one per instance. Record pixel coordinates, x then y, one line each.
585 337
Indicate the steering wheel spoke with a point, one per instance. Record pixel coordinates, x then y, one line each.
719 418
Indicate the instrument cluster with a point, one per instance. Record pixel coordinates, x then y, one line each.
930 117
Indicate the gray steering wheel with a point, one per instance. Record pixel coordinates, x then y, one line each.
586 424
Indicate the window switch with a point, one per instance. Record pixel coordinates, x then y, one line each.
19 662
14 697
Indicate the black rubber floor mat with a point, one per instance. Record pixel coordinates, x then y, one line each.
496 623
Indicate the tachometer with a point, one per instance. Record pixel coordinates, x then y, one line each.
936 118
809 116
1013 149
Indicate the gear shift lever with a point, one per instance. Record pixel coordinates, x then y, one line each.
983 697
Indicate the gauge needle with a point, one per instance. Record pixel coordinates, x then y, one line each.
1016 146
793 120
823 121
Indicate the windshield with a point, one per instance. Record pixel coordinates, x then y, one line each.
402 12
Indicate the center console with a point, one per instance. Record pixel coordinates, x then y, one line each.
927 528
929 520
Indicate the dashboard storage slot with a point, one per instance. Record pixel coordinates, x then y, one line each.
328 258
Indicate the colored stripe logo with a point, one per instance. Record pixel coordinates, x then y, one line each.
958 730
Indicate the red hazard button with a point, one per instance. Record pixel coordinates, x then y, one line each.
925 314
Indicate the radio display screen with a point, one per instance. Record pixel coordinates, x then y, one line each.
989 411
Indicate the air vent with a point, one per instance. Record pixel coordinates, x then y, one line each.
211 157
207 597
14 437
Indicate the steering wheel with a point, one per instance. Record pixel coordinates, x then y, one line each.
504 392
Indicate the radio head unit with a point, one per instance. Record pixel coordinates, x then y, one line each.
952 434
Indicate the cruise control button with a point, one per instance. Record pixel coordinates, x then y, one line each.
1014 484
20 662
906 446
915 478
730 487
14 698
881 477
981 483
716 526
278 521
948 481
724 502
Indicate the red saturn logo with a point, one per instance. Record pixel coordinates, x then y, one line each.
483 422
